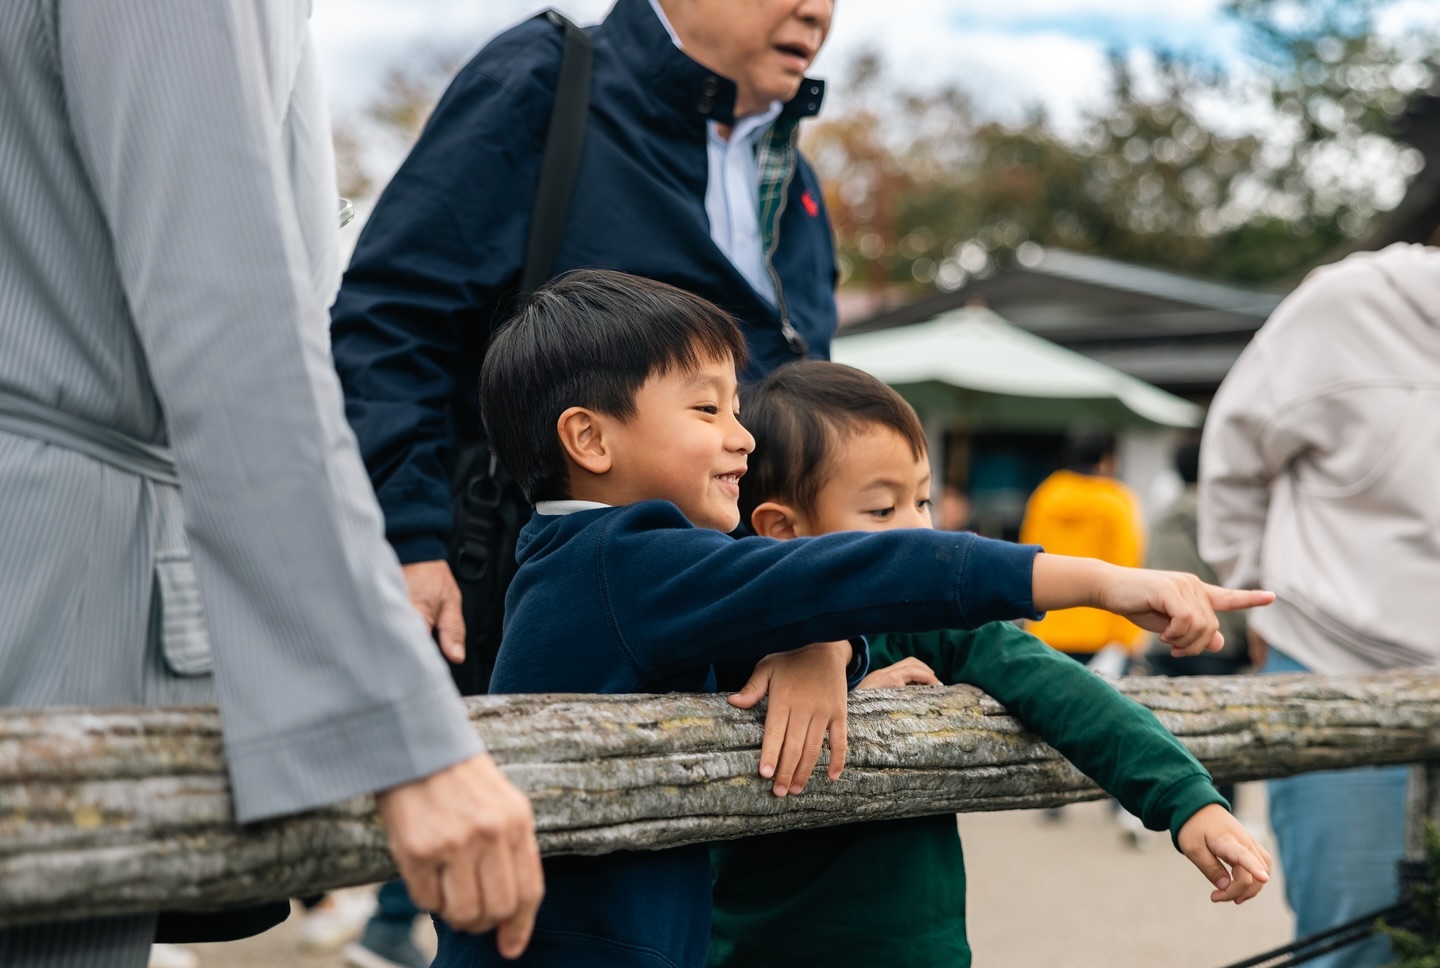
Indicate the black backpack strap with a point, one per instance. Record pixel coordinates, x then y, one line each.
560 162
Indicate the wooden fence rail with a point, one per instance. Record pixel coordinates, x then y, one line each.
118 811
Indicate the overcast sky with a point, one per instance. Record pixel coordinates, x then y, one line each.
1008 55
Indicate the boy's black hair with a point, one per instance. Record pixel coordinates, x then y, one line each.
798 414
590 338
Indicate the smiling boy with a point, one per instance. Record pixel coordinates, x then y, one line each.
837 450
613 401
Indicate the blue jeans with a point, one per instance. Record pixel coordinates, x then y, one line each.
1340 835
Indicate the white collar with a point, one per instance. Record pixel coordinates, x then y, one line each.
665 22
566 507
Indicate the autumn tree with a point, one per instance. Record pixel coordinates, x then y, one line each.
923 191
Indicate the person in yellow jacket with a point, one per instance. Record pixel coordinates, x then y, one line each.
1083 510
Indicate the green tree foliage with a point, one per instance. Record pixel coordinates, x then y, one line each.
924 192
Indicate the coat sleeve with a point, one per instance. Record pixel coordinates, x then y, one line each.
328 685
1110 738
1247 443
690 596
446 239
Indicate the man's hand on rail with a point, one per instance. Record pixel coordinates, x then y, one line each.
808 693
1226 853
436 597
464 840
1180 607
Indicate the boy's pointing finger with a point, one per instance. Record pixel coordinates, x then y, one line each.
1230 599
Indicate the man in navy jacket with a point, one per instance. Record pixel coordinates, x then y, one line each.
662 193
689 174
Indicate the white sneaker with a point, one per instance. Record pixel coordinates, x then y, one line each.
339 919
172 956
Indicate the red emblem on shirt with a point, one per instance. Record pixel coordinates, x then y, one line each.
812 207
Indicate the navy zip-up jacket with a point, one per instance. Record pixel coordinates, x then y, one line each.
441 255
637 599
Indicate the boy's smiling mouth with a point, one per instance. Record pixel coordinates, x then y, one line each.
731 480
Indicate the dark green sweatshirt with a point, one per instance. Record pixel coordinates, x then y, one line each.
893 892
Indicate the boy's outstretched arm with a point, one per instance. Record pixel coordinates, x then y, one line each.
808 689
1214 840
1180 607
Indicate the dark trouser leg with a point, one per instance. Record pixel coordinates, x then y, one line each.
388 934
395 905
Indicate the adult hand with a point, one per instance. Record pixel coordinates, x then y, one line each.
808 698
909 671
436 597
464 840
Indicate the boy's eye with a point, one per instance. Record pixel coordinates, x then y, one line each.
709 408
882 514
924 503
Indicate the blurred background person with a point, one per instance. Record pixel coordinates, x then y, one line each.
1320 470
1083 510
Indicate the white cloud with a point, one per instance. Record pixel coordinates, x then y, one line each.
1008 72
359 40
1008 56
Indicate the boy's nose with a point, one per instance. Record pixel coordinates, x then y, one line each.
741 440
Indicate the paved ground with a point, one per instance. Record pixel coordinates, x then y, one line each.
1044 894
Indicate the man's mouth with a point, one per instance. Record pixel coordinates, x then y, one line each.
803 52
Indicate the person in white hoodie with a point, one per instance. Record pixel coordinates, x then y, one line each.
1320 480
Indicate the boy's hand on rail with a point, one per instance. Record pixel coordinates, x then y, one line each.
1180 607
909 671
1214 840
808 693
436 597
464 840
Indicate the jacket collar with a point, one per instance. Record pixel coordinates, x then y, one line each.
688 88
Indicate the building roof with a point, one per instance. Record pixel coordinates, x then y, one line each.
1078 296
1176 331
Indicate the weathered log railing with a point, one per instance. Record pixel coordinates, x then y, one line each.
107 812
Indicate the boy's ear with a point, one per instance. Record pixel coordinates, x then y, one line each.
583 440
775 520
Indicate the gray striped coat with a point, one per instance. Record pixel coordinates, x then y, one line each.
167 252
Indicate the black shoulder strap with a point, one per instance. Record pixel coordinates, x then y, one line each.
560 162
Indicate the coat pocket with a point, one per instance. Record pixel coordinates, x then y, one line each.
183 637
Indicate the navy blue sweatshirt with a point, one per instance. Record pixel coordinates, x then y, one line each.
637 599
